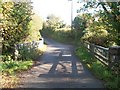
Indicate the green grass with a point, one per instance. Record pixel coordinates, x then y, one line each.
97 68
10 69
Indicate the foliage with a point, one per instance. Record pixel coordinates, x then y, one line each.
28 52
9 66
46 30
100 71
65 35
98 33
114 19
0 9
18 26
80 23
16 19
55 28
53 23
111 17
35 27
9 70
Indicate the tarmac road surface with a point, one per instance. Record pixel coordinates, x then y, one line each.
58 67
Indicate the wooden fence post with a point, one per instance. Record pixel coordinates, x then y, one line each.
114 59
92 49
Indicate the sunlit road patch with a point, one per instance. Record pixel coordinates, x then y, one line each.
60 68
66 53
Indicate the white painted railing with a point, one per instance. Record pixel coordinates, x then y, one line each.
29 45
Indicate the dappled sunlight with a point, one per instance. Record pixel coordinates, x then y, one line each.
58 67
29 52
43 48
60 63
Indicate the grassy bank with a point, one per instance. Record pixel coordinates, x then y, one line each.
97 68
10 69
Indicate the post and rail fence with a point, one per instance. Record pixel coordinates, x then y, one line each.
110 57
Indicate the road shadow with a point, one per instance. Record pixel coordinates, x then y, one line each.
58 67
60 58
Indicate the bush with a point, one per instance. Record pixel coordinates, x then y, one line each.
35 27
28 52
15 24
9 66
65 35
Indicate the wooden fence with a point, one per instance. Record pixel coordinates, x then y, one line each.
108 56
101 53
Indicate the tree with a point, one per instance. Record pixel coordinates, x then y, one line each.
0 27
80 23
97 33
53 26
113 16
16 19
53 22
110 13
35 27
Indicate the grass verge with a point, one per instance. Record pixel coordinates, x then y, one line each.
10 69
98 69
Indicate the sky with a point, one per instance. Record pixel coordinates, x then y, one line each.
60 8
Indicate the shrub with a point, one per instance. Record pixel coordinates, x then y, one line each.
28 52
16 20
